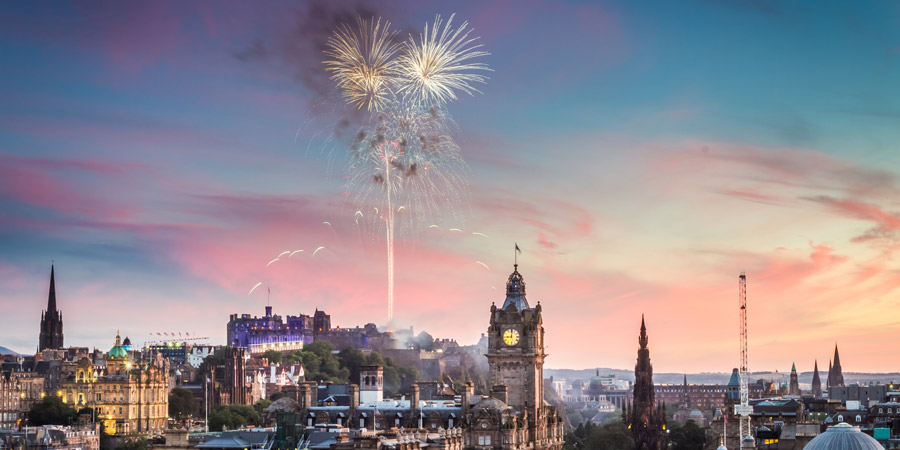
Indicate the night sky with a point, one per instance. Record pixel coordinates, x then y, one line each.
641 154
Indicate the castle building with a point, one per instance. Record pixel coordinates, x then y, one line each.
794 388
51 336
127 394
645 418
285 333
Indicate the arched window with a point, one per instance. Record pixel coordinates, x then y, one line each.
840 418
858 418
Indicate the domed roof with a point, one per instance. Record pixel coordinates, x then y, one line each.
843 436
721 447
117 351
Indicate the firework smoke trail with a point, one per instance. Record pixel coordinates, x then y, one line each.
404 158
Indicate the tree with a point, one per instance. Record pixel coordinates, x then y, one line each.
613 436
261 405
134 442
233 417
687 436
51 411
181 403
274 356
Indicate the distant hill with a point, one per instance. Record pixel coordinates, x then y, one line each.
719 377
6 351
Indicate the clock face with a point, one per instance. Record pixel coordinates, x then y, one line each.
511 337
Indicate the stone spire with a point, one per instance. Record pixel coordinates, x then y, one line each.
828 379
816 382
837 377
51 334
644 418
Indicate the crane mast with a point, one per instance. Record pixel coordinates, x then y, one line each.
744 410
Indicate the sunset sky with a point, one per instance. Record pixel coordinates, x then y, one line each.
641 154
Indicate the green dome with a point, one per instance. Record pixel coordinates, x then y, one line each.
117 351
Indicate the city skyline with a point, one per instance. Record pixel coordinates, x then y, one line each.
641 156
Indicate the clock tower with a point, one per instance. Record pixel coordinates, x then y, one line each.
516 350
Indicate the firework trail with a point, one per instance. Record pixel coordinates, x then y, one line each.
404 163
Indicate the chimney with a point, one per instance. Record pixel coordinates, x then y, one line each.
413 400
303 396
467 394
353 391
499 392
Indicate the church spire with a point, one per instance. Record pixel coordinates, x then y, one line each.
51 299
51 335
837 378
816 381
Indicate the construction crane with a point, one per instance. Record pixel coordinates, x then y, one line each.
744 409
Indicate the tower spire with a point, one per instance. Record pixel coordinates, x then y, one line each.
51 299
816 381
837 379
643 340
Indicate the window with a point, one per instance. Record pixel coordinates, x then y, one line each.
840 418
858 419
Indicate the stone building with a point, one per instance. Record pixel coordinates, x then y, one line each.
644 417
128 394
51 335
794 388
19 390
514 416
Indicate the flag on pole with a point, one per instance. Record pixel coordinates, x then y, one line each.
518 250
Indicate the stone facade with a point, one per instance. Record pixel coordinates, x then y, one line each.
18 393
128 394
514 416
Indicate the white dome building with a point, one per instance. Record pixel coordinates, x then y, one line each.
843 436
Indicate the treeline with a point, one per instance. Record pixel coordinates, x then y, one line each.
617 436
321 363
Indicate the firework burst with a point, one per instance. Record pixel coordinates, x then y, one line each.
437 65
404 164
362 63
